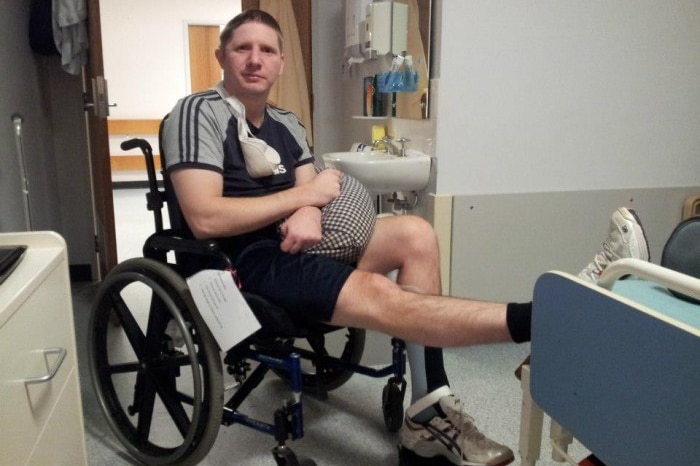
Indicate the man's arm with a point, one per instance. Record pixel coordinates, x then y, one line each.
211 215
302 229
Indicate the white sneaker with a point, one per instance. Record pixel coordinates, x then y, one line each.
626 239
452 440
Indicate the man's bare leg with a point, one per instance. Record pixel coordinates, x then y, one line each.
409 244
371 300
374 302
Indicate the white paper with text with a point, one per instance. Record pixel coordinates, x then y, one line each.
222 307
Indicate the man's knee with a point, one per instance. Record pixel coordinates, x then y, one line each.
398 241
419 235
365 299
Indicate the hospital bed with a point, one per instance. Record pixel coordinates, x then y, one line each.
617 366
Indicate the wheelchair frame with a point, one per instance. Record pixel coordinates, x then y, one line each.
175 341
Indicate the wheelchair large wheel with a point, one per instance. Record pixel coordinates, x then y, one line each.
346 344
155 367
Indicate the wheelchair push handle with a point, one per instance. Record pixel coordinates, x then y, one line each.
154 197
136 143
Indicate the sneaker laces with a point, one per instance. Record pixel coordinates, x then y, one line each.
466 426
602 259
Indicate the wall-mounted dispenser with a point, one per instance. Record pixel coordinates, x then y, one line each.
355 27
386 29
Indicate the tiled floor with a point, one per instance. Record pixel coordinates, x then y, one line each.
348 428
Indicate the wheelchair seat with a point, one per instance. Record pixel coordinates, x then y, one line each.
158 372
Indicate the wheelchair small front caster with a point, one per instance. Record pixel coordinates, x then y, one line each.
284 456
392 403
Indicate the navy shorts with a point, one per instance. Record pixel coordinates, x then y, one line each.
305 285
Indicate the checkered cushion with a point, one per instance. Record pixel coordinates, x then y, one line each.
348 222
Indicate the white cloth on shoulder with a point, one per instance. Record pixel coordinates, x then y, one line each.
260 159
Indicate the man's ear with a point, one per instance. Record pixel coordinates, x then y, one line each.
281 64
219 54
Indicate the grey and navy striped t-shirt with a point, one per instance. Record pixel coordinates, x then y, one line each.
201 132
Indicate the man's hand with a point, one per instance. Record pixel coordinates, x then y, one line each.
324 187
301 230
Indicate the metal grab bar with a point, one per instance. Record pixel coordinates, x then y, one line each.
17 122
53 370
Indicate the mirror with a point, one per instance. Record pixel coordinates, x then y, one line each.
414 105
365 63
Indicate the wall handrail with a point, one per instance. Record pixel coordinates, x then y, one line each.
17 121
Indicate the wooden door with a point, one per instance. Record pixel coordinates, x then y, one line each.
205 71
105 235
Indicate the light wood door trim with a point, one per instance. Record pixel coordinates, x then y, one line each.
122 127
132 162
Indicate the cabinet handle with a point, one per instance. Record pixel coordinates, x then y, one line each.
52 372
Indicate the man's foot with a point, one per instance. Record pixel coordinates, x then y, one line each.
450 440
626 239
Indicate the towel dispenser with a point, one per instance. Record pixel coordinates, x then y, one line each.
386 29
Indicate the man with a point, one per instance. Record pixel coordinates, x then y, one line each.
265 198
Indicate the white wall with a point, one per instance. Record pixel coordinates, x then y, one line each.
20 88
535 95
54 135
546 95
145 50
327 18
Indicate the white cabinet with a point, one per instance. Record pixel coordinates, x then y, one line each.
41 422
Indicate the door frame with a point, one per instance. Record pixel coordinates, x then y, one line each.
98 139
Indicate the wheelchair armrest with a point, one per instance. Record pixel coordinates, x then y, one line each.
163 242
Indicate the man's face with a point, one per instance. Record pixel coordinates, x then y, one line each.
251 61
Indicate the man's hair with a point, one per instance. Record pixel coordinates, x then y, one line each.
249 16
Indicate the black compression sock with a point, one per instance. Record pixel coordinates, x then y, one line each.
518 318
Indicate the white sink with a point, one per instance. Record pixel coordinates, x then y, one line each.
383 173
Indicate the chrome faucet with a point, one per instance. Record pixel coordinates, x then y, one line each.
390 147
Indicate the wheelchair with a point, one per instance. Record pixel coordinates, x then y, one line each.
157 370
